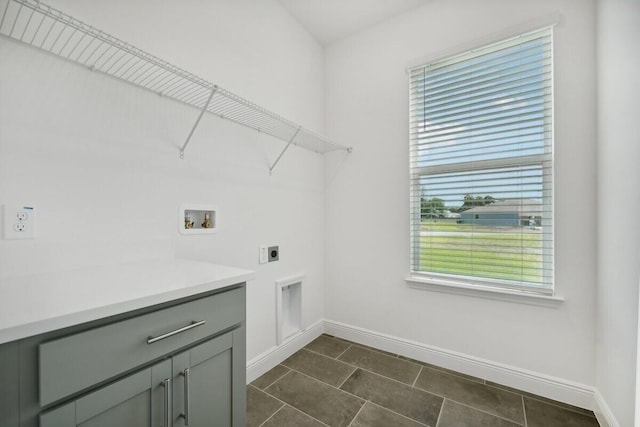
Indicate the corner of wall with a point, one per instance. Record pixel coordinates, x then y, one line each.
267 360
603 412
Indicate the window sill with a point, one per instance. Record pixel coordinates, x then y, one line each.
551 301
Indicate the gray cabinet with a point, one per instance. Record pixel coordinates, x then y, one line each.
162 366
9 379
142 399
205 393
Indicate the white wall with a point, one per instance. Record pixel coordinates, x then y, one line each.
618 204
368 202
99 158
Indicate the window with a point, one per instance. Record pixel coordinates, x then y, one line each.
481 141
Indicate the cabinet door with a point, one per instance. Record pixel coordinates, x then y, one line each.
207 390
141 399
9 385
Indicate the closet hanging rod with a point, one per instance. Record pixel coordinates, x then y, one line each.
46 28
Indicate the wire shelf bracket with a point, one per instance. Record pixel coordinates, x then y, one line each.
283 151
39 25
195 125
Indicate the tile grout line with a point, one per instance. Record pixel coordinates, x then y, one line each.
485 412
347 378
474 407
358 413
345 350
364 369
545 401
561 405
285 404
272 415
270 395
388 410
542 399
414 362
276 380
404 358
302 412
330 358
329 385
422 365
397 413
440 413
383 375
396 380
310 416
443 397
324 383
524 412
452 372
319 353
416 380
377 350
356 367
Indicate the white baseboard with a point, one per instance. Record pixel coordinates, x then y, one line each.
543 385
603 412
262 363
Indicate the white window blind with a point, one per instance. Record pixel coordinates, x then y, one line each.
481 143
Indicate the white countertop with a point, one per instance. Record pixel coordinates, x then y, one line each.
31 305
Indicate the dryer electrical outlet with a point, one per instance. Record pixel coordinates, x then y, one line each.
19 222
274 253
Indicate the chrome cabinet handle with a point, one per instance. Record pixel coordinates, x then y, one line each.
187 375
167 402
194 324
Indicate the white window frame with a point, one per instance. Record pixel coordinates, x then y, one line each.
476 286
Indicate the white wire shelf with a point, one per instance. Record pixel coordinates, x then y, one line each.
51 30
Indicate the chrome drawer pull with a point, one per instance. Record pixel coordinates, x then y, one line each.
192 325
187 375
167 402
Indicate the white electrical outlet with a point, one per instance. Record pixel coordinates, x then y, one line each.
263 256
20 222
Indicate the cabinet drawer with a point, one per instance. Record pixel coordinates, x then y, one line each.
77 362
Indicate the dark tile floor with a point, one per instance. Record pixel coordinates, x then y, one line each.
337 383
